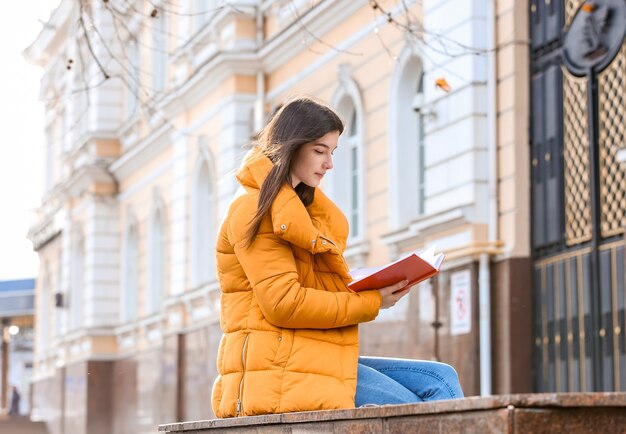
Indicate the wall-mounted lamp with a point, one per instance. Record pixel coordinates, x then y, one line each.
421 110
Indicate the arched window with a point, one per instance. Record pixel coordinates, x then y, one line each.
347 178
156 257
406 141
129 270
203 218
77 279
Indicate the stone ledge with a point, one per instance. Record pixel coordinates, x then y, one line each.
557 412
20 425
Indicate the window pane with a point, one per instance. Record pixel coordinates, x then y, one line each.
160 53
161 262
354 189
353 125
77 284
203 228
203 9
58 310
129 310
132 88
157 264
421 167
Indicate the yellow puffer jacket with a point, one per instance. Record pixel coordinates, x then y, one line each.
290 338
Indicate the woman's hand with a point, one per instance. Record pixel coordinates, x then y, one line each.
392 293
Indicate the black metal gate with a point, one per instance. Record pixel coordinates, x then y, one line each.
578 196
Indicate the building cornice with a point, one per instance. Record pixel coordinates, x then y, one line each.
208 77
141 153
238 10
324 16
427 225
46 230
276 51
85 146
84 177
287 43
288 50
52 32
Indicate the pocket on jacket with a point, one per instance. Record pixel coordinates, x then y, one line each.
285 343
264 347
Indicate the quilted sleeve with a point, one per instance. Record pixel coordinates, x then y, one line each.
270 267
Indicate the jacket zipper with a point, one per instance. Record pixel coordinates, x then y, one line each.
243 363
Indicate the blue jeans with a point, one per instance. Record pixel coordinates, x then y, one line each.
382 381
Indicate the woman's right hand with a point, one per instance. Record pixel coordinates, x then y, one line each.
392 293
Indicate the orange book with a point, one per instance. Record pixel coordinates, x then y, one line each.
415 268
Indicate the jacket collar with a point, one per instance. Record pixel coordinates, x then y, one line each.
319 227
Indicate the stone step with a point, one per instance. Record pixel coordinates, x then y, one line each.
511 414
21 425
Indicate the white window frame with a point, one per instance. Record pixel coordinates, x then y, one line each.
133 84
199 6
77 279
43 310
350 145
203 218
160 53
58 311
157 255
130 269
406 160
347 102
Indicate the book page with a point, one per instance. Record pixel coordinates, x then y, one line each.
360 273
429 256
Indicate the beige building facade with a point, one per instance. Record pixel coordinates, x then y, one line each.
140 171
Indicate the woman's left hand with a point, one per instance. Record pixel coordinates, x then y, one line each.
392 293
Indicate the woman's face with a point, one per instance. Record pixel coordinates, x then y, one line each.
313 159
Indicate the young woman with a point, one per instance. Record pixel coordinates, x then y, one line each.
290 322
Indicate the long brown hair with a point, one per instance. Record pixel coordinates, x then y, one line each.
299 121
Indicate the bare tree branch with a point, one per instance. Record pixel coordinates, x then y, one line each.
95 58
131 74
83 68
298 19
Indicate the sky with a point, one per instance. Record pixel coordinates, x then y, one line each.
21 136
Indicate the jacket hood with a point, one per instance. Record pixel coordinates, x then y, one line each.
310 227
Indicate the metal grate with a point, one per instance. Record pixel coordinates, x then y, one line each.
571 6
566 325
612 137
576 160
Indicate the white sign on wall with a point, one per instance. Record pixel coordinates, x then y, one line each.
460 303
